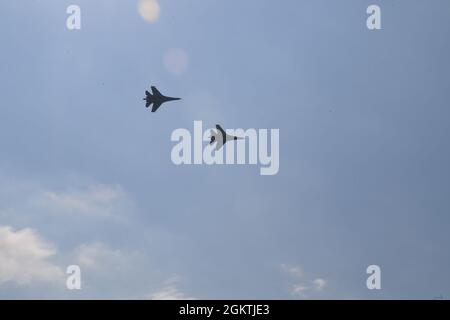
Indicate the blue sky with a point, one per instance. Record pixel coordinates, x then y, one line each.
86 176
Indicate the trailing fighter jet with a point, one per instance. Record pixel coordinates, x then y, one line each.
221 137
156 98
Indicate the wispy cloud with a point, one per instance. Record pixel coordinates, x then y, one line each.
104 201
302 286
170 291
299 289
292 270
98 256
71 214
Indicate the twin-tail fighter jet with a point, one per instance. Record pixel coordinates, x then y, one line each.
220 137
156 98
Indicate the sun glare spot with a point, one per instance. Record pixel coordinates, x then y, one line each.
176 61
149 10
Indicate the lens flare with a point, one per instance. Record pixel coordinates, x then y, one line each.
149 10
176 61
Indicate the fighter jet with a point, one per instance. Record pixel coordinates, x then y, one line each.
221 137
156 98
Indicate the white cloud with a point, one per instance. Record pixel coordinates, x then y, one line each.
170 291
319 284
24 257
292 270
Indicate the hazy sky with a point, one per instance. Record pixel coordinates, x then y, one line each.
86 176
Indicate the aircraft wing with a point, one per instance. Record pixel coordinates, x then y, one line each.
222 133
155 106
155 91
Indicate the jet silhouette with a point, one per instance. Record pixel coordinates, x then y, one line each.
156 98
221 137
